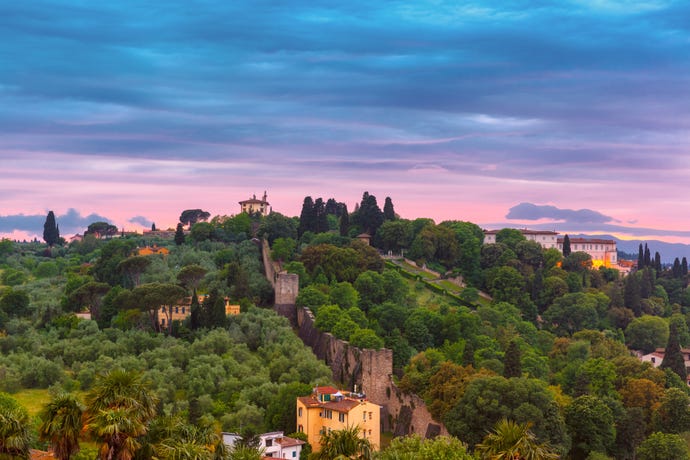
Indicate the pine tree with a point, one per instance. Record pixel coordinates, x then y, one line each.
673 357
566 245
51 233
179 235
511 361
388 211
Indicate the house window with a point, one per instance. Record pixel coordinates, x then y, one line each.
369 415
294 453
163 322
299 412
653 359
177 309
269 442
300 429
183 310
162 309
364 415
341 417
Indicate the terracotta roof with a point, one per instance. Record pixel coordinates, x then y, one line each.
253 200
588 241
345 405
524 231
327 390
35 454
289 442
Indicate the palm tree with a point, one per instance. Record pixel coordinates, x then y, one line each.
173 439
61 425
513 441
14 428
344 444
119 408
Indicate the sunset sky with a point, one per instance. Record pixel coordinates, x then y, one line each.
566 115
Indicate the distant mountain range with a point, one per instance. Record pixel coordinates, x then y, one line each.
667 251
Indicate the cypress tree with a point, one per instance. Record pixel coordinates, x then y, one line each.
657 262
673 357
344 221
153 227
640 258
566 245
195 312
631 294
511 361
676 270
179 235
51 233
388 211
647 256
321 217
684 266
307 218
468 354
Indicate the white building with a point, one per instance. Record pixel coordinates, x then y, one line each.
276 445
656 357
546 239
604 252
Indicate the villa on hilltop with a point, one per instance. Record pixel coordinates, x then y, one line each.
546 239
254 205
604 252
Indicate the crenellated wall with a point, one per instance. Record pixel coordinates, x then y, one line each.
370 370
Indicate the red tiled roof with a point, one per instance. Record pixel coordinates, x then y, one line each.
327 390
588 241
524 231
289 442
345 405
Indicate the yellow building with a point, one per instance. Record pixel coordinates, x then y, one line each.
181 311
329 409
150 250
254 205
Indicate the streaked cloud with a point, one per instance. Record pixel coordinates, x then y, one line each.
69 223
530 211
139 109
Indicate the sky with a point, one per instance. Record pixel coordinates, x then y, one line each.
559 115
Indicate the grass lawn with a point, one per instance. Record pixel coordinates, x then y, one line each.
33 400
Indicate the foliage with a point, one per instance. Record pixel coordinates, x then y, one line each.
510 440
489 399
662 446
61 425
415 448
51 232
345 443
14 428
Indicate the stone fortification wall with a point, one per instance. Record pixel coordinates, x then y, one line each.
269 265
369 371
363 370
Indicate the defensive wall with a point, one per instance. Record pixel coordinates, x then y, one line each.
368 371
